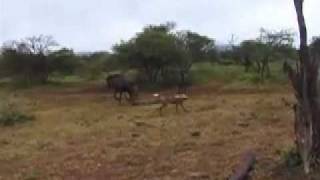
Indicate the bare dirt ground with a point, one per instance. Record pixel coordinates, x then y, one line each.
82 133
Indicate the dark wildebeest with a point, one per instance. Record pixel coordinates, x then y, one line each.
109 79
121 85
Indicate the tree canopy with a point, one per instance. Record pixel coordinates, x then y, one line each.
160 53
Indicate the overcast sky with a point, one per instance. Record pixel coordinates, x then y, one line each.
89 25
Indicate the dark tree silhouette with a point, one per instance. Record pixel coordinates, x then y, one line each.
26 60
304 81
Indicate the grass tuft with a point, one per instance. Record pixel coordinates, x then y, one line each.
11 114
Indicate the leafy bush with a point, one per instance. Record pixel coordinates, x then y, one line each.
165 56
92 67
11 114
14 117
63 62
204 72
26 60
250 78
291 158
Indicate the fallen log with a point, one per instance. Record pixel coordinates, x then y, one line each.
245 167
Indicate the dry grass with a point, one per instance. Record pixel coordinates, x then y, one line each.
84 134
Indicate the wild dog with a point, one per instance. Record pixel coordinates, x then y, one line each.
177 99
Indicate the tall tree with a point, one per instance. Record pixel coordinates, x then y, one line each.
274 44
304 80
251 55
63 61
26 60
158 53
315 47
195 48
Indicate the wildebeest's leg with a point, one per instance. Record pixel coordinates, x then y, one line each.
115 95
108 83
184 109
120 97
128 96
162 107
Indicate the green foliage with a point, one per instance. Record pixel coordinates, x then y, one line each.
163 56
159 55
250 78
291 158
277 44
11 114
202 73
92 67
1 66
315 47
257 54
151 52
33 61
63 62
200 48
13 117
29 68
112 63
27 60
251 49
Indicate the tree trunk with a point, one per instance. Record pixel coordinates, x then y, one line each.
247 64
155 76
262 70
307 114
181 83
258 67
268 67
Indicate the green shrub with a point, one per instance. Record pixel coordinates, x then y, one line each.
14 117
250 78
11 114
291 158
204 72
